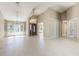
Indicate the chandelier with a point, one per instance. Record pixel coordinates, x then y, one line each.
17 10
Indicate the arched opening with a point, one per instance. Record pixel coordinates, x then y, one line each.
33 25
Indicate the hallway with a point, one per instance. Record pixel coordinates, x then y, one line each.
38 46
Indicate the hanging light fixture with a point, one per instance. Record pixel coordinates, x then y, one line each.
34 16
17 10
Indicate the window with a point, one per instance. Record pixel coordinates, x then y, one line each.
15 27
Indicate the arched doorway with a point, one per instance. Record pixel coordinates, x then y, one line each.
33 25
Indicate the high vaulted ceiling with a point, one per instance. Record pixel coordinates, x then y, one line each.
11 11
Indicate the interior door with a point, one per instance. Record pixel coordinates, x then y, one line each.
33 29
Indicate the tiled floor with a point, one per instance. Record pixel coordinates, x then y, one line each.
38 46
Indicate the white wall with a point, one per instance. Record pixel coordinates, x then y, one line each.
73 21
27 27
50 20
1 26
